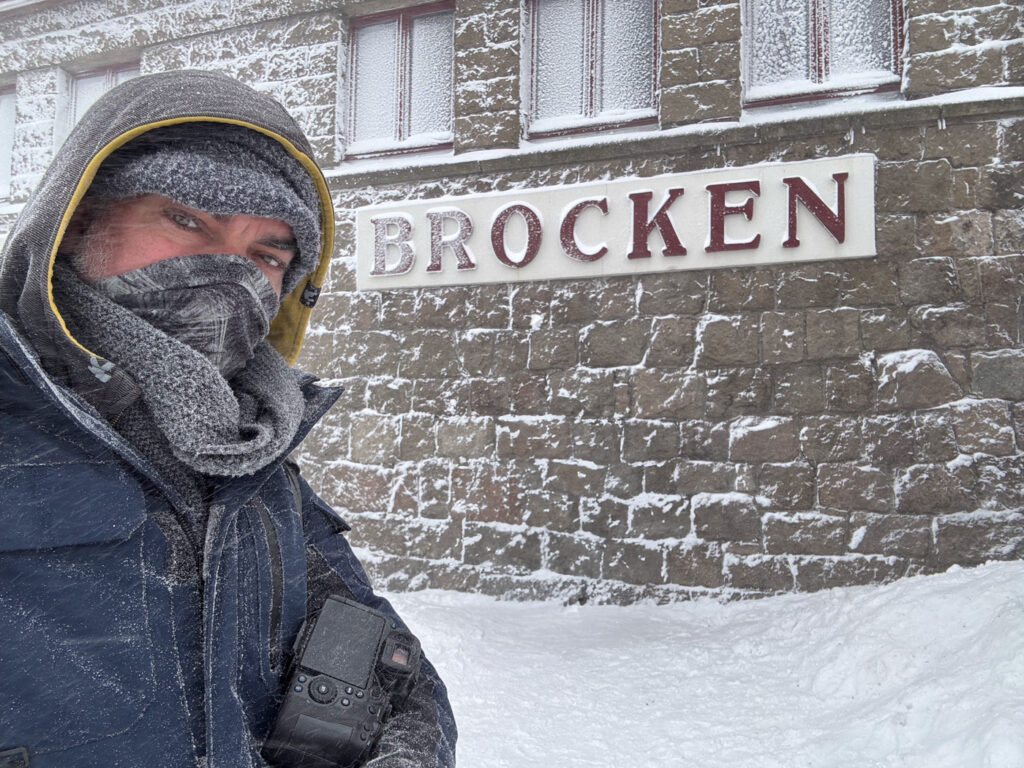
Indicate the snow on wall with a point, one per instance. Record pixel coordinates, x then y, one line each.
740 431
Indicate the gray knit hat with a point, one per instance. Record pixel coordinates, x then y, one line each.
223 169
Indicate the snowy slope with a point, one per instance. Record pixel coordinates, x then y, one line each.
926 672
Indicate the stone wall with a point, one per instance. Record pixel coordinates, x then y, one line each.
735 432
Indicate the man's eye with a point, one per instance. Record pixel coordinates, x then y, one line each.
183 220
271 261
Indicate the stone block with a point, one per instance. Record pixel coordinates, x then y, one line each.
798 389
930 33
888 440
699 102
596 441
930 489
963 145
760 573
763 439
694 564
540 437
484 352
804 534
374 438
998 374
523 394
787 486
719 61
554 348
831 438
929 188
783 337
884 330
465 437
869 282
586 392
737 392
574 555
428 354
667 395
659 517
833 333
983 426
501 549
593 301
708 440
816 573
914 378
727 340
930 280
934 436
491 130
1008 232
680 67
649 440
808 285
957 325
891 535
733 290
550 510
849 387
431 539
974 538
689 477
673 340
848 487
634 562
574 478
953 69
357 488
607 345
673 293
726 517
607 517
967 233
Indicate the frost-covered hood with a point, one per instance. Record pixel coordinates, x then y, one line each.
125 112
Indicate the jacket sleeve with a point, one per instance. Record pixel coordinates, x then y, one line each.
422 733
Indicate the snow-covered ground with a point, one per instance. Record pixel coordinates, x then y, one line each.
928 672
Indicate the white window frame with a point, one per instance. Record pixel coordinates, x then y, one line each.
110 76
403 141
820 83
8 107
593 118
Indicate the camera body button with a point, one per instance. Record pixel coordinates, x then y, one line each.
322 690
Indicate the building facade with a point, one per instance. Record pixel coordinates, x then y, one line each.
631 298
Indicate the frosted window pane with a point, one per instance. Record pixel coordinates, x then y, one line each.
627 55
87 89
430 98
559 59
778 47
125 74
6 141
861 31
374 82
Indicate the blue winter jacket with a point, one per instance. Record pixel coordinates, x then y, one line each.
124 642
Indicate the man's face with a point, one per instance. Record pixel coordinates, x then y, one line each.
122 235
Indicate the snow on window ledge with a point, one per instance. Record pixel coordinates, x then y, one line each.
610 120
835 87
386 146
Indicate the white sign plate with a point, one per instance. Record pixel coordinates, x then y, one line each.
753 215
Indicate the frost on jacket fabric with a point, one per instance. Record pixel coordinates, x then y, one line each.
129 637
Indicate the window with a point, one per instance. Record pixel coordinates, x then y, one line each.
87 88
797 49
592 64
6 141
401 80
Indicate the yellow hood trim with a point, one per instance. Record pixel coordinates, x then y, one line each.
289 326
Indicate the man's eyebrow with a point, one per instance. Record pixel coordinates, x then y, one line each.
280 243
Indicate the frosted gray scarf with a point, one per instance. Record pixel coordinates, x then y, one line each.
212 426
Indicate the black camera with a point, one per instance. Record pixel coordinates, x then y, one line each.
351 665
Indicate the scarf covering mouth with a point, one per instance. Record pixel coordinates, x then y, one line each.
212 426
221 305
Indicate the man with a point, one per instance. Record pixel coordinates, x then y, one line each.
157 555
